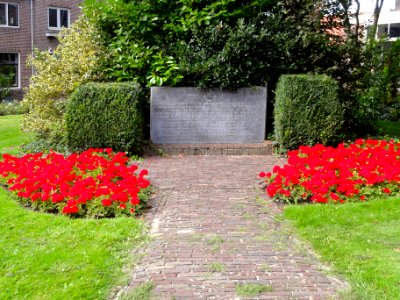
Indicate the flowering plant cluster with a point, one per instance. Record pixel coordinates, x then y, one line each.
96 183
354 172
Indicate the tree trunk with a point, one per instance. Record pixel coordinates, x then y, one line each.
356 15
377 12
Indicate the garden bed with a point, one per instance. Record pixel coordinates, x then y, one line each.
350 172
96 183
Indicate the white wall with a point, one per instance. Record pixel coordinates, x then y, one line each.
368 6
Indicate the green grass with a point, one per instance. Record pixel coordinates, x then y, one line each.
11 136
214 240
389 128
216 267
251 289
142 292
45 256
360 240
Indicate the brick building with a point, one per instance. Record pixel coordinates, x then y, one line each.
29 24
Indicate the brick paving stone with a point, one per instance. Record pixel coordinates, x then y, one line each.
213 228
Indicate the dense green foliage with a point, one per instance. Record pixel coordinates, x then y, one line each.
307 111
106 115
241 48
210 43
360 240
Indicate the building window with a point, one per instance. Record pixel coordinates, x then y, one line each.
8 14
394 30
9 67
382 30
58 18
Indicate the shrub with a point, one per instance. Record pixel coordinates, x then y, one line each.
360 171
12 108
106 115
75 61
96 183
307 111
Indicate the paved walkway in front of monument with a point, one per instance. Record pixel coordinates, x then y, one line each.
213 229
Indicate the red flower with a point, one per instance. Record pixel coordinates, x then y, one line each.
386 190
135 200
106 202
70 209
334 196
143 173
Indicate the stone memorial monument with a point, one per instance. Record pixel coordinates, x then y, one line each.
211 116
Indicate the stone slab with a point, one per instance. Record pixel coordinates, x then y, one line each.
195 116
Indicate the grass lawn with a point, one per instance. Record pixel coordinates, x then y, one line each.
45 256
360 240
389 128
11 136
52 257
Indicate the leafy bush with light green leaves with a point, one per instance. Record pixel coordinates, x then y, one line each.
106 115
307 111
76 60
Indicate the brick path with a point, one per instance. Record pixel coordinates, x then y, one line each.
213 229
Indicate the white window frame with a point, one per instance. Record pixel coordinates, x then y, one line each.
392 38
6 25
19 70
388 32
58 18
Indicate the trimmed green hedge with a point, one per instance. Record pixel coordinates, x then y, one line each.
103 115
307 111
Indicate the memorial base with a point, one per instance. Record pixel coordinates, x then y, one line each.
265 148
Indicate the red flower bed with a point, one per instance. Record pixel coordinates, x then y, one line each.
95 183
363 169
